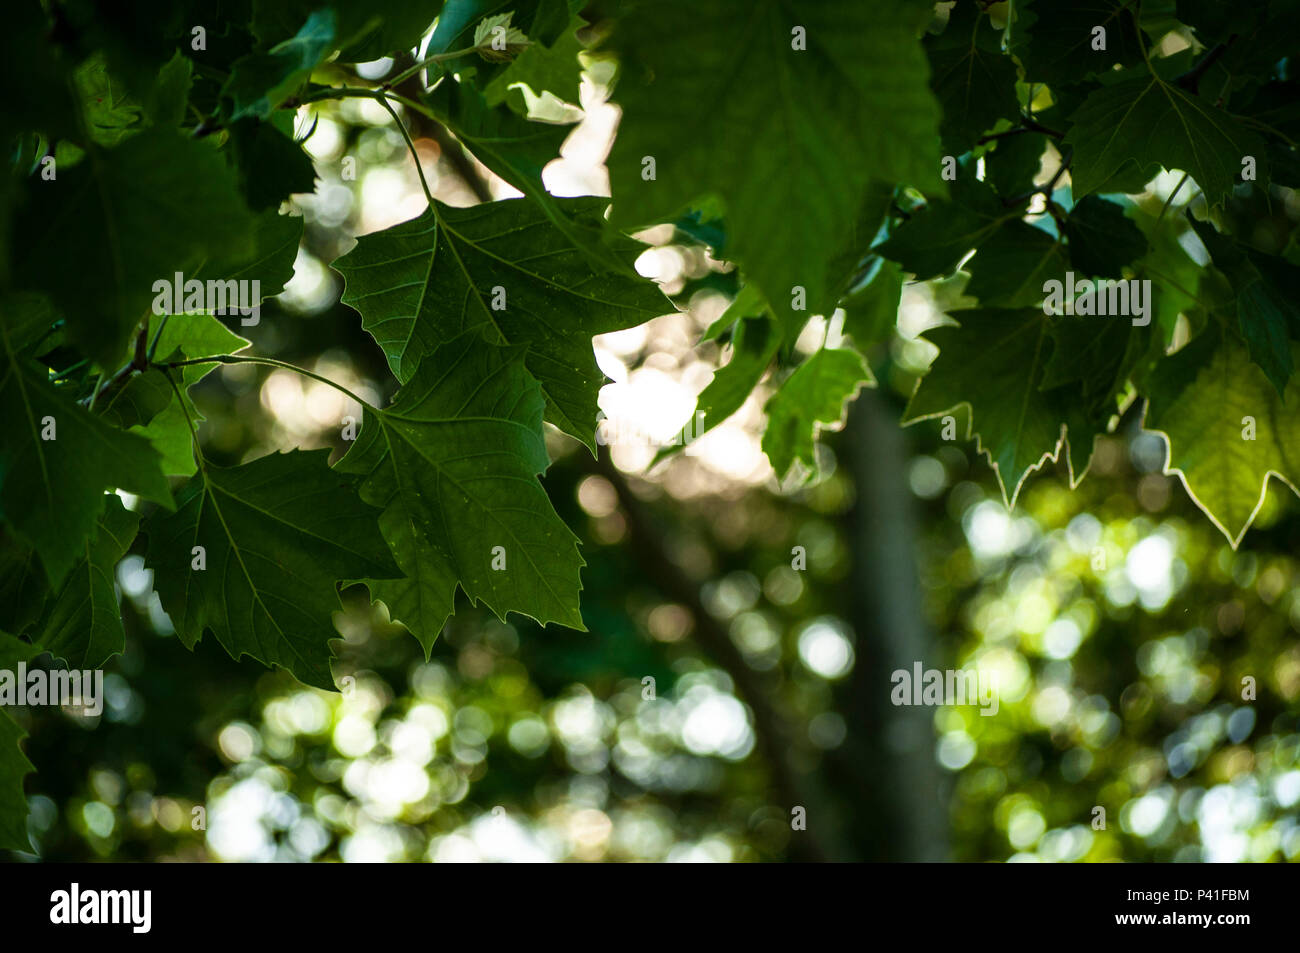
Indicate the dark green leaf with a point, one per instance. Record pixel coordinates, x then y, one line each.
277 535
454 463
1102 240
504 269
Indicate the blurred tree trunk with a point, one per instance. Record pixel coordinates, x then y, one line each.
888 757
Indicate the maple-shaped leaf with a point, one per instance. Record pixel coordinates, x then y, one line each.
84 624
1015 162
149 405
813 396
454 463
1264 289
503 269
517 150
1143 119
786 112
56 460
1102 240
871 308
1059 43
541 67
254 553
935 239
994 365
974 81
1228 430
261 81
14 766
157 204
1013 263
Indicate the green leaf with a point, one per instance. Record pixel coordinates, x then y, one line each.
937 237
23 589
753 346
815 394
148 405
1055 40
1144 120
1102 240
277 535
791 140
748 303
541 67
51 490
871 309
1199 400
271 165
84 625
504 269
1011 266
14 766
973 80
454 463
518 150
1264 287
1014 162
157 204
994 365
260 82
170 95
111 113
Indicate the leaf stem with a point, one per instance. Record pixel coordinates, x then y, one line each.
436 58
1170 201
415 156
270 362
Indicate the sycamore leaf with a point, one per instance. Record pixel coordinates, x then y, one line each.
554 68
815 394
158 203
261 81
973 80
1014 163
111 113
503 269
23 588
518 150
1057 44
14 766
1200 399
1011 266
496 40
275 536
454 464
84 625
272 166
1143 119
871 309
1265 288
56 460
937 237
994 365
1102 240
149 405
753 345
721 98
